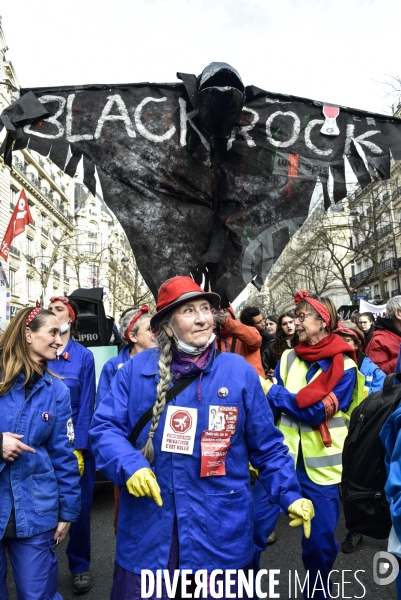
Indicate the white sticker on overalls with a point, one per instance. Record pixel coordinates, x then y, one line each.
179 430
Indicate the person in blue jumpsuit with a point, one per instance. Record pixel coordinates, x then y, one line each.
76 365
390 437
39 477
137 335
312 419
181 506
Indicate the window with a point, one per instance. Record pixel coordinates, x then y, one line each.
11 277
386 286
29 246
366 262
64 267
353 269
394 283
93 248
29 287
376 289
14 198
358 267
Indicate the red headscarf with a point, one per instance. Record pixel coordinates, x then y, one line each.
65 301
144 309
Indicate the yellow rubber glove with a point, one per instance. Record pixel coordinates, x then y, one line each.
80 459
265 383
254 473
301 512
143 483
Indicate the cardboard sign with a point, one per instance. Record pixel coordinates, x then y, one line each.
179 430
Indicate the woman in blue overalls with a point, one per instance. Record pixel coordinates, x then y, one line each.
201 515
77 367
39 478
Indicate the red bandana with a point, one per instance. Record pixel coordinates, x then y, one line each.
347 330
33 313
301 295
144 309
65 301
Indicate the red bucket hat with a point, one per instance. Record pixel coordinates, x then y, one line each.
176 291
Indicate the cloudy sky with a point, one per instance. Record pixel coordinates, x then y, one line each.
338 51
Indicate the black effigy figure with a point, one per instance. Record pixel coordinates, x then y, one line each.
207 177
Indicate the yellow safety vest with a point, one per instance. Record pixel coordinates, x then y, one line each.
323 465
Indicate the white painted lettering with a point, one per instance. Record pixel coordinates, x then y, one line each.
361 140
295 131
243 130
52 119
188 116
68 122
106 116
308 141
141 127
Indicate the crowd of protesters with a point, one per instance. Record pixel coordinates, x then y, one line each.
263 401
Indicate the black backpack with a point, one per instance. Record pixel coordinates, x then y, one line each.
364 475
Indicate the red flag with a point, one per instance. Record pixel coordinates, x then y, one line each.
20 217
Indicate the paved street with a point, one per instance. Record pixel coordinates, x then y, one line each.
285 555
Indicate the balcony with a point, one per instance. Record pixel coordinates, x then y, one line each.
385 265
30 259
15 251
45 231
379 234
92 234
32 224
20 166
56 274
395 293
66 278
44 267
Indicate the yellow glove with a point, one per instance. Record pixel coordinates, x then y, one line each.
80 459
265 383
143 483
254 473
302 511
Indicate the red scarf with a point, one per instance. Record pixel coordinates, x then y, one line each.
331 346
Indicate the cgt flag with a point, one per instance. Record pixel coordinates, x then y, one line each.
20 217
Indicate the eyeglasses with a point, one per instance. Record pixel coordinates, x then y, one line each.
301 316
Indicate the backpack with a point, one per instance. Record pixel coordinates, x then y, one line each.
364 474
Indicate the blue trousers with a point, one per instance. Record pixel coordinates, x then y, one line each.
319 552
265 517
35 567
79 545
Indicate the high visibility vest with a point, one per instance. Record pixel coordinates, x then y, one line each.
323 465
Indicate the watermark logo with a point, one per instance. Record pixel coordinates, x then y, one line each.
385 568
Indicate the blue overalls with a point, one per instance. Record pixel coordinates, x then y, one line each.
77 367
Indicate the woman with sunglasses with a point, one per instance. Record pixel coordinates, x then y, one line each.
316 384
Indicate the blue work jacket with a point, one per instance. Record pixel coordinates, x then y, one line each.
281 400
214 514
78 374
390 436
43 487
110 368
374 377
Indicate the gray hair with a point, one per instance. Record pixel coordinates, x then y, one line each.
165 343
126 320
392 305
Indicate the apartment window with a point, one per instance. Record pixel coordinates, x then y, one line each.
93 248
64 267
386 286
394 284
376 289
14 197
11 277
29 287
366 261
353 270
358 267
29 246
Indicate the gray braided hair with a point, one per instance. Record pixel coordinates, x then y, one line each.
166 355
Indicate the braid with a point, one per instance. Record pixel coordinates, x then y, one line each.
166 356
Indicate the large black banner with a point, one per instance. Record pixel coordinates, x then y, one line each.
207 177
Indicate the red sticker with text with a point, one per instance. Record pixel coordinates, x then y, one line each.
214 448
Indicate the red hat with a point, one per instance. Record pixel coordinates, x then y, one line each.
176 291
